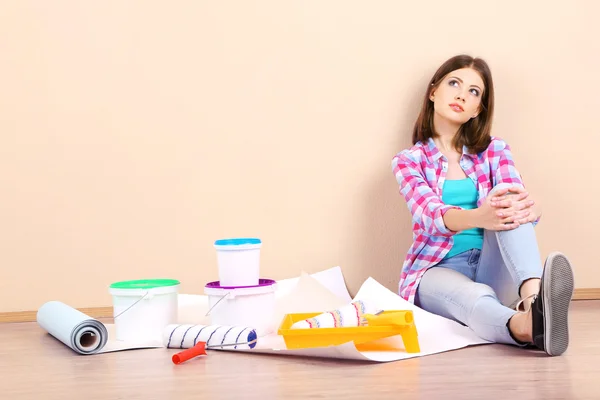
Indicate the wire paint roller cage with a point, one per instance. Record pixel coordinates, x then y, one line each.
370 337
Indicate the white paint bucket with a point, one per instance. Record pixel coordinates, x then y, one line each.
239 261
251 306
143 308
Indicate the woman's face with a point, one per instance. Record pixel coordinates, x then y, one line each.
458 96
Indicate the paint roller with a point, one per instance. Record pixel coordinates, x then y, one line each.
196 339
357 313
352 314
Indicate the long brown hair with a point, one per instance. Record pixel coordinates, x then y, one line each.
475 133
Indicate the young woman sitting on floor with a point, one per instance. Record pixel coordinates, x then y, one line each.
475 257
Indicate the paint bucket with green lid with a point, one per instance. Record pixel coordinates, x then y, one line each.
143 308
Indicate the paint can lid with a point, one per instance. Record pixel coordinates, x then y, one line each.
144 284
141 287
264 286
261 283
237 241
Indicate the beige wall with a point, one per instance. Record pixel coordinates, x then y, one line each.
134 133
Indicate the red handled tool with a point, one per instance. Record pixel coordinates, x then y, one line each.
198 350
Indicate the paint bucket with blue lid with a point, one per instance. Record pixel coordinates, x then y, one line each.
238 261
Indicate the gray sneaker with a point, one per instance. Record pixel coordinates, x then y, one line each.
550 308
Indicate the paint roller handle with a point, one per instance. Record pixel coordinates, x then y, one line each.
198 350
397 318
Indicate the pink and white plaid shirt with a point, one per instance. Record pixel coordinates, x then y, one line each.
421 172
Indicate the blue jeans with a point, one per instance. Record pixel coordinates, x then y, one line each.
479 288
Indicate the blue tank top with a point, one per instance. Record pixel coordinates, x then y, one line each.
463 193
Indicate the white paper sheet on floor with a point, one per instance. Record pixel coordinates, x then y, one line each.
326 290
332 279
82 333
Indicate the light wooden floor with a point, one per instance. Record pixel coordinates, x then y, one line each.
33 365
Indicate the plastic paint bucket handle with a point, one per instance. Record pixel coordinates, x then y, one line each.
218 301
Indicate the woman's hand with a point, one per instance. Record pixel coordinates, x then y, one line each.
504 210
515 201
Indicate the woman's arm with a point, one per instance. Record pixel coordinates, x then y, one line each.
461 220
439 219
425 205
487 215
504 170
